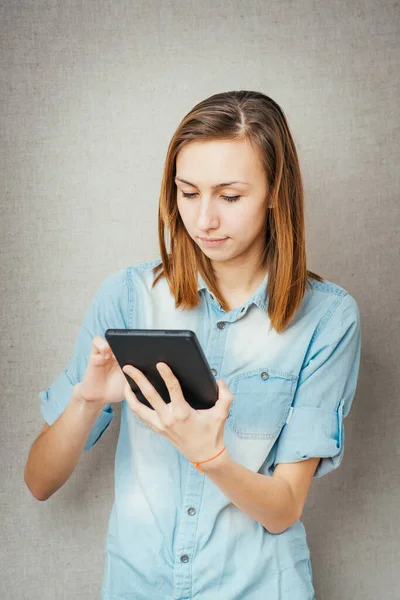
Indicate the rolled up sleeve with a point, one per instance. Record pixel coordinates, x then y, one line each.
107 309
325 392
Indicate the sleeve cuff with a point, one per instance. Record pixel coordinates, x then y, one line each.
99 427
313 432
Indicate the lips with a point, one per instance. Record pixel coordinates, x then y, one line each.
213 243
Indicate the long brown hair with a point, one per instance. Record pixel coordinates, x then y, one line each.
256 117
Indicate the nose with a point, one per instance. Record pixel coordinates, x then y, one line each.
207 218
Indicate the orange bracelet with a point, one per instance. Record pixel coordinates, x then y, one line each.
196 464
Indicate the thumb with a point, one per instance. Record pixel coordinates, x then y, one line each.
225 396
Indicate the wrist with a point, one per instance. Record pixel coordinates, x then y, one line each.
216 464
89 407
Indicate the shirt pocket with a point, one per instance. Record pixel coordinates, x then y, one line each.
261 402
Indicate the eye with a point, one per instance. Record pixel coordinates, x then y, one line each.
231 198
228 198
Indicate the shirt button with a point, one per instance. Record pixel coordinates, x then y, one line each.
191 511
221 325
184 558
264 375
213 371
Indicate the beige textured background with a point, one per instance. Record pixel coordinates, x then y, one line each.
91 93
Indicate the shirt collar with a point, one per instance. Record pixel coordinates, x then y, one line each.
259 298
201 284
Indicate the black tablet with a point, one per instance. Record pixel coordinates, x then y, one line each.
180 350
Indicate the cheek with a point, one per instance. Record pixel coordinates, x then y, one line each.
187 215
258 218
181 209
249 222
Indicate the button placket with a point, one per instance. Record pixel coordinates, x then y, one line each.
218 340
187 535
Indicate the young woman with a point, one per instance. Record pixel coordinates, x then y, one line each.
208 503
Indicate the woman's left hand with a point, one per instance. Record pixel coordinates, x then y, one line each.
197 434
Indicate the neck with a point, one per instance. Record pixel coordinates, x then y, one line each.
237 283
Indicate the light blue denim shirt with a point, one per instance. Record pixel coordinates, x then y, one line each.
172 533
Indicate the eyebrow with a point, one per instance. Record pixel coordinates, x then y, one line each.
214 187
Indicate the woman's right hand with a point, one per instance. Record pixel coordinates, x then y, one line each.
104 381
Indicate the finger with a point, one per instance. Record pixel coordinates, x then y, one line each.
147 389
144 413
101 346
173 385
224 393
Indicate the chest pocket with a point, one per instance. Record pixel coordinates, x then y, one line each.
261 402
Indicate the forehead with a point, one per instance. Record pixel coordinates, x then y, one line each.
222 160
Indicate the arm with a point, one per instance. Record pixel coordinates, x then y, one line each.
56 451
324 394
276 502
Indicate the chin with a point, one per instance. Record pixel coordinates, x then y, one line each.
216 254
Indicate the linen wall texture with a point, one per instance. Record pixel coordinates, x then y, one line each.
91 95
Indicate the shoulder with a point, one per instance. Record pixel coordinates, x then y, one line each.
337 306
120 290
125 278
332 295
146 266
142 274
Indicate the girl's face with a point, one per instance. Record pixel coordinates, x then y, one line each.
222 194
